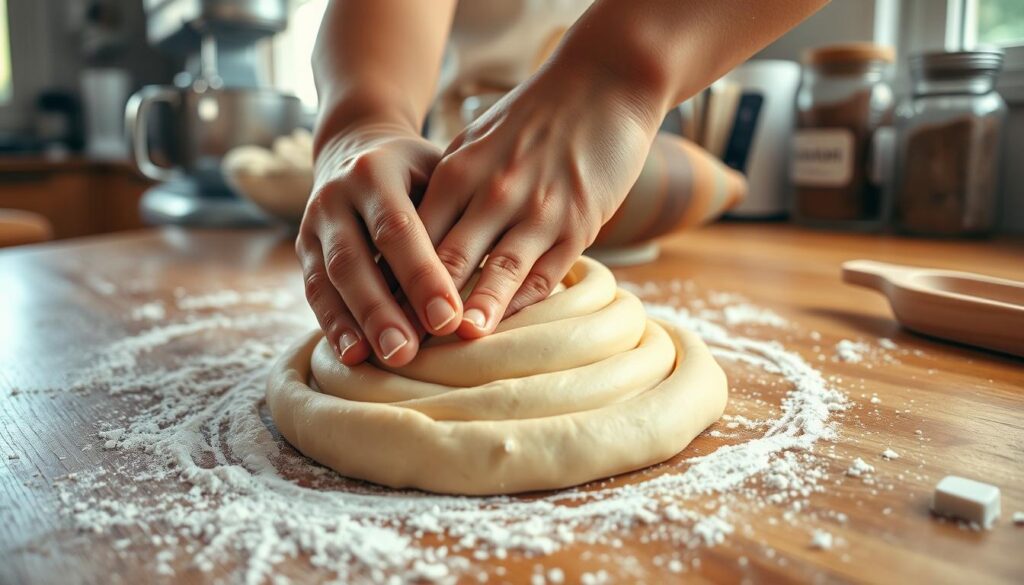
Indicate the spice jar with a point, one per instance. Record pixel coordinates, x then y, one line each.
948 139
843 101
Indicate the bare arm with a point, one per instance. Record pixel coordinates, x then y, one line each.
378 61
668 50
530 183
376 64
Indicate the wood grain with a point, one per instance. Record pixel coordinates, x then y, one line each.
77 196
966 402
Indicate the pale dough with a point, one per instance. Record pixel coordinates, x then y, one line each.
279 180
577 387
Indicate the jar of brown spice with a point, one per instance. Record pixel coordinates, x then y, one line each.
843 101
948 145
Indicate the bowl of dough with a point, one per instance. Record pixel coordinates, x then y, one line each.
279 179
578 387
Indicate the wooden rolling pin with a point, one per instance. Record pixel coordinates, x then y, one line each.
959 306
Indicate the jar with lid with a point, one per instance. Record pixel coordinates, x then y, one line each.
844 100
948 143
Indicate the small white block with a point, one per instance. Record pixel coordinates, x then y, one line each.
890 454
821 540
969 500
1018 518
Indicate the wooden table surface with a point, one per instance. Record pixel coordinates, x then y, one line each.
61 301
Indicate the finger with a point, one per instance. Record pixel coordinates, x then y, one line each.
400 237
468 241
339 327
351 268
547 272
502 275
407 310
445 199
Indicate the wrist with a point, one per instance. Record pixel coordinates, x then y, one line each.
641 95
350 111
628 62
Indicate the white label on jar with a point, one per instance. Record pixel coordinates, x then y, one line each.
822 157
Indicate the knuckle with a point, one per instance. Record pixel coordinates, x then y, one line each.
300 247
363 166
315 204
539 210
341 258
328 320
322 197
491 293
392 227
505 266
419 274
455 261
499 193
372 309
536 286
314 286
543 206
451 170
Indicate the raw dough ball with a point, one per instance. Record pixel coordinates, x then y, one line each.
278 180
575 388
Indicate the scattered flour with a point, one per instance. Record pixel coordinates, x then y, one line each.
821 540
860 468
745 313
886 343
852 351
230 298
152 311
198 421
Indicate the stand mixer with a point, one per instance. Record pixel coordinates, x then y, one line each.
179 134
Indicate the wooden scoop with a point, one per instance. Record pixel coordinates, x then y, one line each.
959 306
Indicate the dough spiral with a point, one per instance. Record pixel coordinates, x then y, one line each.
575 388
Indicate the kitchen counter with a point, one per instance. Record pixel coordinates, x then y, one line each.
77 195
944 408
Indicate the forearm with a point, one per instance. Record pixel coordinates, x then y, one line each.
378 62
668 50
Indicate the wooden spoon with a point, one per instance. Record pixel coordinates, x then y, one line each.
959 306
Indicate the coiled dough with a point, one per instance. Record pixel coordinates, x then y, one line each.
577 387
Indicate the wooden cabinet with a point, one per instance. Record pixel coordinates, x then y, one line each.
79 197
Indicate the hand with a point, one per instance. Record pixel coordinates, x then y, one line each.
362 205
531 182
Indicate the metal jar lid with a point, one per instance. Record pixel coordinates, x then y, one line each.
942 64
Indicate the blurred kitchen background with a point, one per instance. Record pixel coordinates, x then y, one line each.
875 115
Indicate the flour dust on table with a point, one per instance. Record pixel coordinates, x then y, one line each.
213 485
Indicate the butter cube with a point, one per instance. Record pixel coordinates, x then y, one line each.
966 499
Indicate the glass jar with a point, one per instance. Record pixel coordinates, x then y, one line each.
844 99
948 143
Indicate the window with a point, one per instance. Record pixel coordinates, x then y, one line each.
6 83
1000 22
293 49
929 25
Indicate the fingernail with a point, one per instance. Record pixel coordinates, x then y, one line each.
439 312
347 341
391 341
476 317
